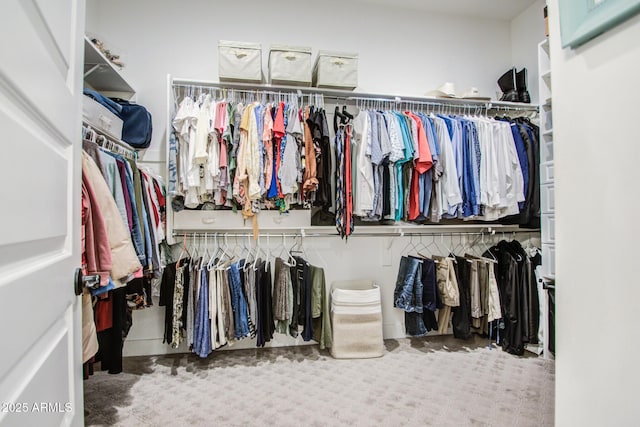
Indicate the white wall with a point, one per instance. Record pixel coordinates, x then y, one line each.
92 20
595 93
401 51
527 30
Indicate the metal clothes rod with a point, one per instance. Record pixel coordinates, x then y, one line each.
364 234
108 141
246 91
342 95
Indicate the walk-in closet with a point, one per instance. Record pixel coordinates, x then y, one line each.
340 213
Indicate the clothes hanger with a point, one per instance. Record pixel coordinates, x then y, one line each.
446 250
267 254
212 259
337 115
323 263
206 253
248 262
487 249
194 247
429 249
290 261
420 246
184 250
347 116
410 245
225 256
256 256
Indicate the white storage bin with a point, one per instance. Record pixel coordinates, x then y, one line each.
336 70
290 65
100 117
356 320
239 61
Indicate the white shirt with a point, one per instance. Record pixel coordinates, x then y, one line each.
448 187
363 202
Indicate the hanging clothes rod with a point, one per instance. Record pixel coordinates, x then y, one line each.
342 95
255 92
107 141
250 95
199 234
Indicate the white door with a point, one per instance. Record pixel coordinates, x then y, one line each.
40 131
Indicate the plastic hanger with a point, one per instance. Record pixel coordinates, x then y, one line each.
194 247
212 260
184 249
225 256
267 254
249 258
206 254
256 255
290 261
298 247
346 116
337 115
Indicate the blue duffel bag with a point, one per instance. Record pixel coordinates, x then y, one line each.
136 124
136 120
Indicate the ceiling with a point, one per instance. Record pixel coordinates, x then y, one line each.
497 9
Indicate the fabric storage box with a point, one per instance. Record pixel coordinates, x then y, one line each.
290 65
356 320
100 117
336 70
239 61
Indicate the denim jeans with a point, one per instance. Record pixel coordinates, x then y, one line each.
238 301
408 292
414 324
420 323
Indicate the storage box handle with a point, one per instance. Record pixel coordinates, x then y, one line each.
239 53
105 121
208 220
291 56
338 61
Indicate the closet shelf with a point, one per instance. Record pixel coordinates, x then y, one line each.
101 75
351 95
548 132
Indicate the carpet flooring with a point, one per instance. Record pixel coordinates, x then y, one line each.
437 381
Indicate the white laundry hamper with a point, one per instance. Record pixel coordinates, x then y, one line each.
356 320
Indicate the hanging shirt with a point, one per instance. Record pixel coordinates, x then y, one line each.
363 182
448 185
